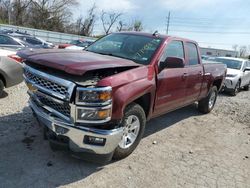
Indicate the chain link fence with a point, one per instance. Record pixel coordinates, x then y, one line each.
50 36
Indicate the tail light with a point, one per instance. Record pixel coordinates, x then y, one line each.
16 58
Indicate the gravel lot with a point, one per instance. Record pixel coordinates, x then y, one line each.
181 149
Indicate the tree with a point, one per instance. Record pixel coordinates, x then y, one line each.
242 51
108 19
121 26
50 15
137 25
5 7
19 12
85 27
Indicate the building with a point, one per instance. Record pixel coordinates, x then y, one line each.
218 52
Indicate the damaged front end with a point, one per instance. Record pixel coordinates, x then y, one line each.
74 108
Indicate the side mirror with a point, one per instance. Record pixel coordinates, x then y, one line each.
246 69
172 62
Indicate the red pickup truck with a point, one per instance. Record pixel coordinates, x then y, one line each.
96 102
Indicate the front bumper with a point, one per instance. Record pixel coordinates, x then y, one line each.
230 83
76 135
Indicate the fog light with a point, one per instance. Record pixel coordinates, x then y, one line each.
60 130
94 140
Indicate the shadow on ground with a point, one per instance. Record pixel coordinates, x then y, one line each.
5 94
27 160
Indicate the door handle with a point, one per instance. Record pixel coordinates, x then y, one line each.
185 75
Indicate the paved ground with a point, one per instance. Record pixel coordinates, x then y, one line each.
190 150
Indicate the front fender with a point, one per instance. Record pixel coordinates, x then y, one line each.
129 86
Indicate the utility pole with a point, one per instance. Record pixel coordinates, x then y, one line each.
168 20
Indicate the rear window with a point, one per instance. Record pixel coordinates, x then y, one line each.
193 57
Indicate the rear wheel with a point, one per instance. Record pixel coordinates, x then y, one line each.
236 89
1 87
207 104
133 123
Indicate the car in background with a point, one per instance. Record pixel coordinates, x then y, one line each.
83 43
34 41
238 73
81 46
8 41
10 69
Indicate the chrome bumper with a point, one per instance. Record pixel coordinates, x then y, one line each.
76 134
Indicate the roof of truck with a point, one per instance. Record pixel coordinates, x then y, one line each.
162 36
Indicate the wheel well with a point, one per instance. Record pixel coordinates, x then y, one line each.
144 101
218 83
3 79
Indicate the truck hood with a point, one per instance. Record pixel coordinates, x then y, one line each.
74 62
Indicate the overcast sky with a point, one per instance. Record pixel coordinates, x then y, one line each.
214 23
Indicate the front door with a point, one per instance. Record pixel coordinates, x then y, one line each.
171 82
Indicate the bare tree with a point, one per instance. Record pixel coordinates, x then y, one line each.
5 7
242 51
137 25
235 47
85 26
121 26
19 11
50 14
108 19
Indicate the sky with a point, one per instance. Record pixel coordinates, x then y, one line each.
212 23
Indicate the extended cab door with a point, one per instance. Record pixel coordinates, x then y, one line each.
171 82
194 73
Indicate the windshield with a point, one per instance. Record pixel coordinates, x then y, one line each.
232 64
139 49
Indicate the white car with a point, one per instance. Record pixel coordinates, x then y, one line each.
238 74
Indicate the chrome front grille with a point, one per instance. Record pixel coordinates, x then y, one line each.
46 83
62 108
49 84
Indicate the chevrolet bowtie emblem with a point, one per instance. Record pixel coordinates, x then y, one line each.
31 87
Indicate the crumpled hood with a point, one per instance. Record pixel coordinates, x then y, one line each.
73 62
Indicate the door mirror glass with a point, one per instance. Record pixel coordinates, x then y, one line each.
172 62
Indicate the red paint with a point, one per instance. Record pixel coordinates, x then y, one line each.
169 89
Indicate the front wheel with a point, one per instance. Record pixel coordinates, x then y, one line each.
1 87
207 104
246 88
133 124
236 89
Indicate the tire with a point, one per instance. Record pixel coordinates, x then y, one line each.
206 105
1 88
236 89
246 88
134 122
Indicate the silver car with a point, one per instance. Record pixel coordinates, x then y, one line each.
238 74
10 69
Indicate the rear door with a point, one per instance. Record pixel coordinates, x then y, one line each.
194 73
171 82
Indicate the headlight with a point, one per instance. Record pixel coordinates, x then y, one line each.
93 96
93 115
231 75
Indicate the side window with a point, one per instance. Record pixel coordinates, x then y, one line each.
7 40
174 49
193 58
